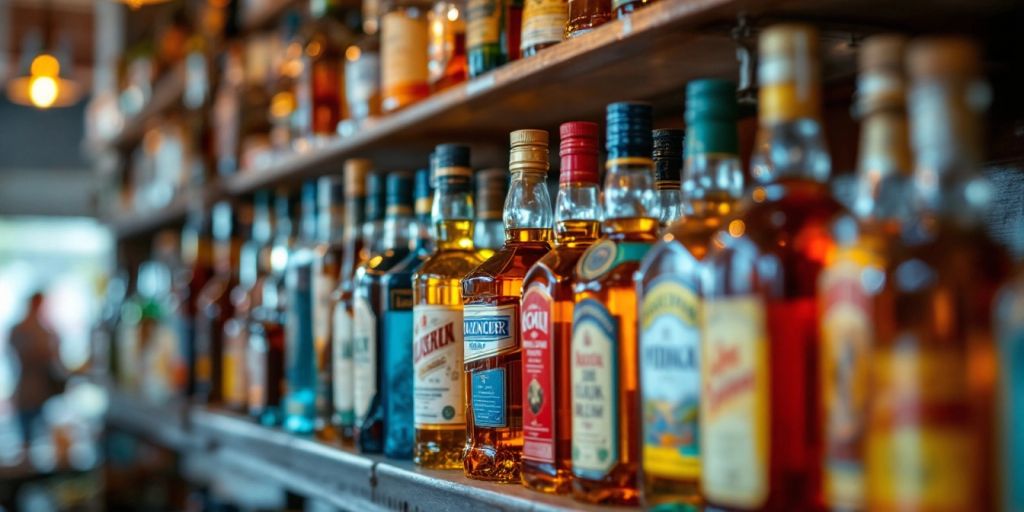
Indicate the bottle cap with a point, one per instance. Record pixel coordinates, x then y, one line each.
668 158
578 151
374 196
355 176
788 71
628 130
880 82
423 192
528 151
711 113
399 193
491 187
451 160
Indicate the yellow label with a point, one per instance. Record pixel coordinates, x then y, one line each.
403 51
734 405
483 25
544 22
233 363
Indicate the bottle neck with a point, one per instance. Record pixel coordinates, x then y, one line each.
629 189
354 214
712 183
397 229
452 214
527 206
577 214
883 163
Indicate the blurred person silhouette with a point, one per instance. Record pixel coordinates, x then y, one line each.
37 347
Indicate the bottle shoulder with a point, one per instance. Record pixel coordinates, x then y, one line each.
511 261
449 263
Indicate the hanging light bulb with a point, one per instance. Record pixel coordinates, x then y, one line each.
43 82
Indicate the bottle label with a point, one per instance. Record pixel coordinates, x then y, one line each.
403 51
483 23
921 445
489 330
1011 357
538 375
845 344
544 22
323 285
362 82
233 356
344 395
437 366
605 255
670 380
595 390
256 367
734 407
364 357
488 388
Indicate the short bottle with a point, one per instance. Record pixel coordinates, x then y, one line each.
543 25
546 313
603 366
489 233
669 290
490 296
404 68
668 166
300 301
438 400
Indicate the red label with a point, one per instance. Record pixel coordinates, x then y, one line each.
538 376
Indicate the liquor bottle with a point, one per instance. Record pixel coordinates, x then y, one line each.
668 165
328 257
485 20
396 303
368 343
404 73
286 68
761 320
254 133
512 30
197 265
603 367
1010 335
845 296
362 80
546 309
266 328
233 386
321 85
447 48
543 25
227 110
438 401
490 298
300 343
669 292
353 255
489 232
930 442
586 15
213 306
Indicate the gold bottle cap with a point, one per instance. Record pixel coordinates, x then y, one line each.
529 151
491 187
789 73
880 82
356 170
941 57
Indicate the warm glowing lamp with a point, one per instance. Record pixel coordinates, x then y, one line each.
43 81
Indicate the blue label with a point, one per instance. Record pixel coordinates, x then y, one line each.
486 328
489 398
398 378
1012 372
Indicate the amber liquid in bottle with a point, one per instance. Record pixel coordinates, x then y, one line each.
586 15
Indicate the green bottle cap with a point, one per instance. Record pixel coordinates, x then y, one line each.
711 114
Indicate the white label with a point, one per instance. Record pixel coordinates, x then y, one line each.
594 371
489 330
342 348
364 356
323 285
438 397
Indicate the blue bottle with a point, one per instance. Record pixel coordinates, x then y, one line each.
300 359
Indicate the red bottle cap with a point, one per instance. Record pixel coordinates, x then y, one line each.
578 149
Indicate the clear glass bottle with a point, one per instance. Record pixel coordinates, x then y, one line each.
490 298
300 300
668 166
256 328
546 315
329 255
447 44
404 37
213 306
489 232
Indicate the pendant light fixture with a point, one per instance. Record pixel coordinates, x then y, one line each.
44 78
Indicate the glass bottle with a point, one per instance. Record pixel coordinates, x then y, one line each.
321 85
485 20
354 254
233 386
328 258
546 309
512 30
404 73
760 309
438 401
300 343
490 297
668 165
543 25
849 281
447 47
213 306
227 110
396 303
261 326
286 68
489 232
669 290
362 79
930 443
368 343
586 15
197 265
603 368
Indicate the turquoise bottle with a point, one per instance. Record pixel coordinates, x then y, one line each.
300 359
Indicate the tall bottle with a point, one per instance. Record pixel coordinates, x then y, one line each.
930 436
197 265
404 37
328 254
213 306
546 315
286 68
300 343
490 297
354 254
438 401
265 347
543 25
320 90
603 369
669 291
485 21
236 335
489 233
760 319
362 77
668 166
845 296
396 301
447 47
368 342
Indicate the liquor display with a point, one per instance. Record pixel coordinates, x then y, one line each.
547 311
668 166
669 291
213 306
489 233
603 366
490 297
265 351
404 69
438 400
329 255
300 302
447 48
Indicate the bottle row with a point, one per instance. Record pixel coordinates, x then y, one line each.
680 337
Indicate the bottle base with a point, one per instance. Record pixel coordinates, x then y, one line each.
537 479
490 465
601 493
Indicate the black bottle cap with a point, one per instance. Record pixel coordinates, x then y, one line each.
422 187
668 154
399 192
629 130
451 155
374 196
